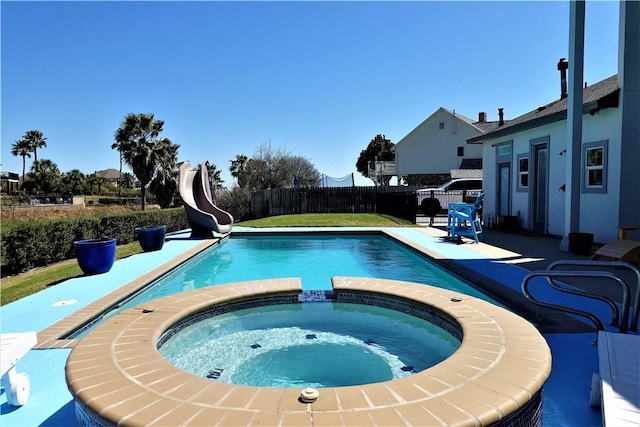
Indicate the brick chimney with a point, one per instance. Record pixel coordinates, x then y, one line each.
500 116
563 66
482 117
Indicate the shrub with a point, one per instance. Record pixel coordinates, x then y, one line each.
237 202
37 243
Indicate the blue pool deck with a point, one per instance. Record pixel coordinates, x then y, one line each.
566 393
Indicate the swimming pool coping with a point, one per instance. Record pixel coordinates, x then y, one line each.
54 335
51 337
501 365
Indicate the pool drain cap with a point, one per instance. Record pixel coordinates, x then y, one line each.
309 395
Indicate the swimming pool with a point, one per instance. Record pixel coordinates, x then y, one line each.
314 259
298 345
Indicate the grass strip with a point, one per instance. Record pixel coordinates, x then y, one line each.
328 220
15 287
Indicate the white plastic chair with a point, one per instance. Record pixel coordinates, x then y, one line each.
13 347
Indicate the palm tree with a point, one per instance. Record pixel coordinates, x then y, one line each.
92 179
100 181
46 175
21 148
215 178
137 137
128 180
36 140
164 183
74 178
238 168
121 145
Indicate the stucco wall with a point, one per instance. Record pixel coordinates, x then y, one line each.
598 211
429 149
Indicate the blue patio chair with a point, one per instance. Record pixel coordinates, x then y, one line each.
464 220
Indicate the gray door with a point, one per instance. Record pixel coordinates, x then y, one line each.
540 191
504 189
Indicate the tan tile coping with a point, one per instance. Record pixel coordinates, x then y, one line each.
117 375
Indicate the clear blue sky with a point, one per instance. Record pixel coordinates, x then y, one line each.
316 79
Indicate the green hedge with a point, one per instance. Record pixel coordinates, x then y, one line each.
37 243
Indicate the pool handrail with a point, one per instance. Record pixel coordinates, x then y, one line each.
570 289
590 274
633 326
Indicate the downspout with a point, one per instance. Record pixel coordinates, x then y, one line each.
574 121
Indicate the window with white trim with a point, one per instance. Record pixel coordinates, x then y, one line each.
594 161
523 172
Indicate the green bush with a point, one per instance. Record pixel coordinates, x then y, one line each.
37 243
237 202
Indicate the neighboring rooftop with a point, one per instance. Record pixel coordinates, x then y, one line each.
109 173
481 124
602 95
469 168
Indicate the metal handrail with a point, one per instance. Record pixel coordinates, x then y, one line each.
615 320
633 326
591 274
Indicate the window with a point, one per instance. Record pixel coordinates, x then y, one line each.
460 151
594 160
503 149
461 184
523 172
441 125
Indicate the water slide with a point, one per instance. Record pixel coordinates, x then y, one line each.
204 217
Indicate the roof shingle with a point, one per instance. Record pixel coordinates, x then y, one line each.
601 95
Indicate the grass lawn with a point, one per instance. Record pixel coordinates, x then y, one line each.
15 287
22 285
328 220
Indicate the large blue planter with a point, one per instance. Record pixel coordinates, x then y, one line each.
151 238
95 256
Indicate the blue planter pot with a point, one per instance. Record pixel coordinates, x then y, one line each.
95 256
151 238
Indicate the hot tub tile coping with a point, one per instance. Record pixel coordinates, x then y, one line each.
169 310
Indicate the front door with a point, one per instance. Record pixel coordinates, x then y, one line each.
504 189
540 190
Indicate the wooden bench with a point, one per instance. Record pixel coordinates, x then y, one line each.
619 379
620 250
622 231
13 347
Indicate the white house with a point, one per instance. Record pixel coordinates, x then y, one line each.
529 166
438 145
525 163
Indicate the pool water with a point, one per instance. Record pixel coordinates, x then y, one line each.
316 344
314 259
